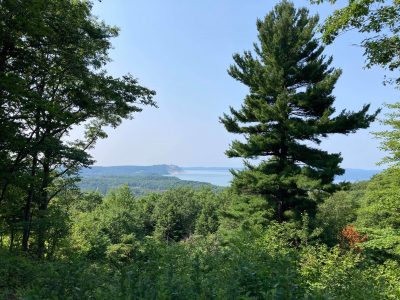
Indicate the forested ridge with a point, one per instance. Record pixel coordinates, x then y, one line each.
284 229
139 184
142 180
129 170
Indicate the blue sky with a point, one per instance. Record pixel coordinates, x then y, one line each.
182 49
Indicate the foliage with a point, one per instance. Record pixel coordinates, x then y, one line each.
121 222
378 215
109 223
390 139
52 72
86 201
351 239
331 273
244 211
139 184
262 265
379 20
380 202
338 211
174 215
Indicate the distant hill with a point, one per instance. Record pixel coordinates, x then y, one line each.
139 184
130 170
144 179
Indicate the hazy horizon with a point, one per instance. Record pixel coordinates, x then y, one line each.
210 167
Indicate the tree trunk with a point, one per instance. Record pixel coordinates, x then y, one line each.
12 234
43 204
27 208
282 193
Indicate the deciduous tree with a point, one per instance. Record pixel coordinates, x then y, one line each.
52 68
378 21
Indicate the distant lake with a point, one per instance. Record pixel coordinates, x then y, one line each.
222 176
216 176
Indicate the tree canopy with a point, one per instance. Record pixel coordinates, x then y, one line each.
53 78
379 21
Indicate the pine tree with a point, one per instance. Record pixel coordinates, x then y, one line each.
288 110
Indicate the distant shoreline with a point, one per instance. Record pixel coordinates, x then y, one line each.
220 176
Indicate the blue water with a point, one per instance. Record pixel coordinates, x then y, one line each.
222 176
216 176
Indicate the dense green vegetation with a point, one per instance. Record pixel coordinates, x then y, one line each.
53 78
140 179
283 230
139 184
201 244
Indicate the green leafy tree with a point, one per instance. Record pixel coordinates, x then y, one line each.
378 21
289 106
52 65
108 226
85 202
208 219
379 214
390 139
338 211
175 215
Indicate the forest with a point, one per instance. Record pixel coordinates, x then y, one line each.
283 229
138 184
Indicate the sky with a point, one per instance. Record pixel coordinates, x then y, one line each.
182 49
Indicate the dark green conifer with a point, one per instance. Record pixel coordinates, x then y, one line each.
287 111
